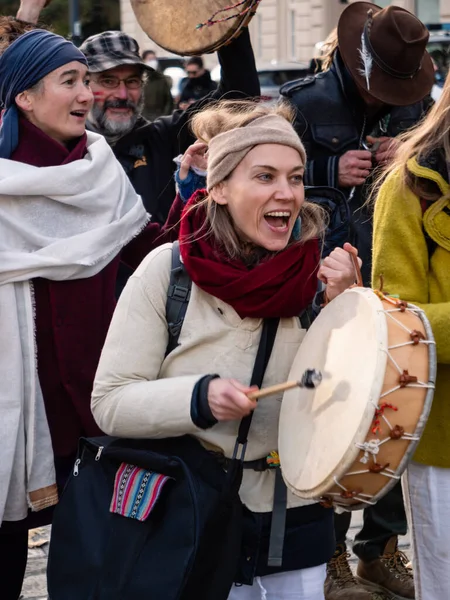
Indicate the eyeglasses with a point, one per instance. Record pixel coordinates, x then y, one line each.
111 82
192 73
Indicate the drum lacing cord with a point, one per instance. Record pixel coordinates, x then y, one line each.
372 447
212 21
405 378
351 494
416 337
396 563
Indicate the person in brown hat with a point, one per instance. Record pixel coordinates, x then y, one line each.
390 63
348 117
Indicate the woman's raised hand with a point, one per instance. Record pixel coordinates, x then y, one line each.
337 270
193 157
228 399
30 10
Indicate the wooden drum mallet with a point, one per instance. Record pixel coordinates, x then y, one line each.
311 378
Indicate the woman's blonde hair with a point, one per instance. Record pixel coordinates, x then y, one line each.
429 135
232 114
328 49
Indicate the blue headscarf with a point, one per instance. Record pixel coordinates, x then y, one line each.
26 61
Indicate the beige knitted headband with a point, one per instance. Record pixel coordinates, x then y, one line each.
226 150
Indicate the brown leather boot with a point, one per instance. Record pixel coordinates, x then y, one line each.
340 583
388 574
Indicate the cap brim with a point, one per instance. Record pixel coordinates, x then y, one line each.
106 64
389 90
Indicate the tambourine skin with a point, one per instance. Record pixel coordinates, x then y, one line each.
347 442
176 26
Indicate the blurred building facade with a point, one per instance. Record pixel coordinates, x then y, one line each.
288 30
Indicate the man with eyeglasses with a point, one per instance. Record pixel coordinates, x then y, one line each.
146 150
117 77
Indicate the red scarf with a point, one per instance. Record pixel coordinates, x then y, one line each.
38 149
281 286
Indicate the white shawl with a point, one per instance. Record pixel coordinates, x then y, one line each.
63 222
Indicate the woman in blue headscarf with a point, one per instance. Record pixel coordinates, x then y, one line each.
66 211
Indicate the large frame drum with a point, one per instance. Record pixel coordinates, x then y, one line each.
347 442
193 27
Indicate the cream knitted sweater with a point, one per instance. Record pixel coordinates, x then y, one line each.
138 393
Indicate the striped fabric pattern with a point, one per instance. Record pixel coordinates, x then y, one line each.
136 491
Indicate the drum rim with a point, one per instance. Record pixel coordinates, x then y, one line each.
234 30
432 371
352 451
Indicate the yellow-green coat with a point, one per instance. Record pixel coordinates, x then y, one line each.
400 254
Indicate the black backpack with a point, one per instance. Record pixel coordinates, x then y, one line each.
339 227
189 545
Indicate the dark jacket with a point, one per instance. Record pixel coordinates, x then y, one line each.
331 119
195 88
147 152
158 99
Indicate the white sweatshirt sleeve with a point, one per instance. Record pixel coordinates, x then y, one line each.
128 399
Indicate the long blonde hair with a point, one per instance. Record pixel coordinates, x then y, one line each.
328 49
231 114
429 135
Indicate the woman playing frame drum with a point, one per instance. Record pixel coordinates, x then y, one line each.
249 244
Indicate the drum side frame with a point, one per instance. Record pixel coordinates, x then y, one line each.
432 370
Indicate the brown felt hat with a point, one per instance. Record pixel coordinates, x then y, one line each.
399 71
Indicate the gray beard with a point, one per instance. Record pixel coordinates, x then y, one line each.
110 129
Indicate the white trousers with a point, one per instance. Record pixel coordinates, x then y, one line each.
427 498
305 584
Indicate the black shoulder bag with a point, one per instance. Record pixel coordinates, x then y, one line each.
189 545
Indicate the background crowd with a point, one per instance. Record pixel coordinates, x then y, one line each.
113 103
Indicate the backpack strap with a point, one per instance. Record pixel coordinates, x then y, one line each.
306 317
268 335
278 524
178 296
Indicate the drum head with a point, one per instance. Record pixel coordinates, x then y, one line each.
172 24
319 428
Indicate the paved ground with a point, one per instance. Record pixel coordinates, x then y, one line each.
35 587
35 584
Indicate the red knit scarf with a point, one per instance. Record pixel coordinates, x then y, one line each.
280 286
38 149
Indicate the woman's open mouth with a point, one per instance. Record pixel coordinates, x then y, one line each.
278 220
79 114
